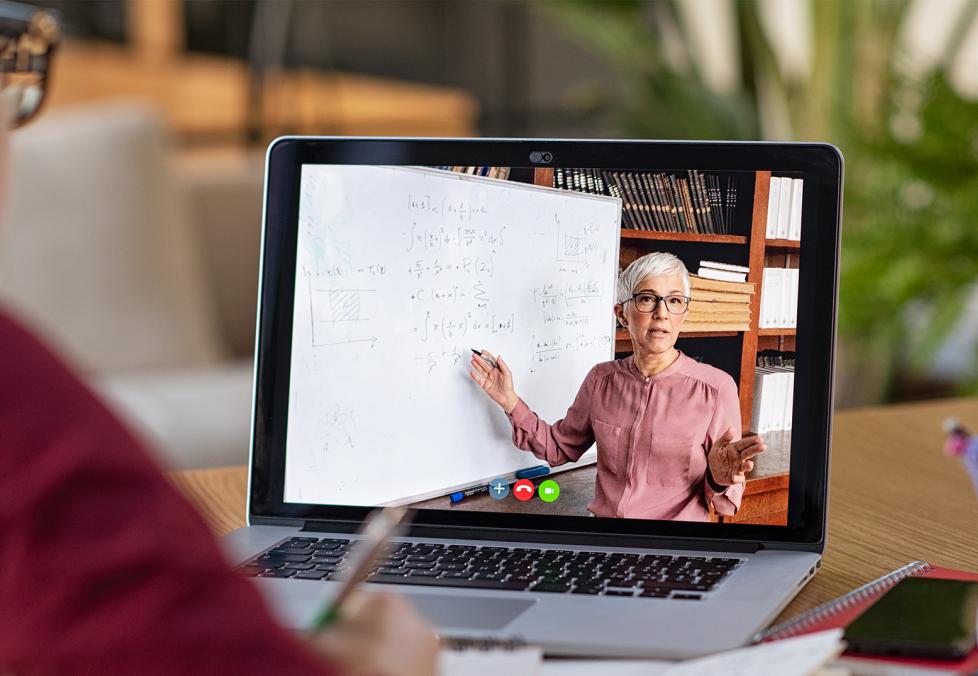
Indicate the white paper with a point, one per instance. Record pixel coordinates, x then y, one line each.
798 656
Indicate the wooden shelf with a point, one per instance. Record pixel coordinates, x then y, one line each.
682 236
792 244
776 332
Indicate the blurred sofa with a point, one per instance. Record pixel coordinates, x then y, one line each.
140 268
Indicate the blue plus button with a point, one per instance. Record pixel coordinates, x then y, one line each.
498 489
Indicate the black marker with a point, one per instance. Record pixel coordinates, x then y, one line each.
491 362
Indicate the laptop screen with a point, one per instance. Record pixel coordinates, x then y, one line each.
608 343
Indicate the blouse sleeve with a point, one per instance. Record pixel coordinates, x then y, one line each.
564 441
726 414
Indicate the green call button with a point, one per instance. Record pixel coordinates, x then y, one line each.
549 490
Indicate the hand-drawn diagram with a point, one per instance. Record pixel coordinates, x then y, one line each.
340 316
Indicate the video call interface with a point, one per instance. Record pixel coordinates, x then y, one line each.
545 340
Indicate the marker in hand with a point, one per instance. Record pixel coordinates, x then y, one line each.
491 362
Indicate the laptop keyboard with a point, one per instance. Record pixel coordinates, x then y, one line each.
555 571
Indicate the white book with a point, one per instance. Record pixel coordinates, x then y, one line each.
773 200
764 314
779 392
784 400
730 267
756 404
794 217
794 276
764 399
789 399
722 275
771 293
784 305
784 208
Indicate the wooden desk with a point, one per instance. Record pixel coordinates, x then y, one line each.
894 497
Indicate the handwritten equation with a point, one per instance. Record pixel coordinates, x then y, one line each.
426 239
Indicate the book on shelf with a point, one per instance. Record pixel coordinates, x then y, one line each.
779 298
784 208
722 275
690 202
774 384
501 173
713 327
711 296
729 267
705 315
706 283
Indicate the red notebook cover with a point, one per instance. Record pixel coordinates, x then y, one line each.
838 613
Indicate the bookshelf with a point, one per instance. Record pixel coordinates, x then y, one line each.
749 247
766 494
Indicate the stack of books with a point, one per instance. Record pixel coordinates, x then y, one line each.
718 305
784 208
779 299
696 203
774 389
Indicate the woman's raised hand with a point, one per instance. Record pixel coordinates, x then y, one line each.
729 461
496 381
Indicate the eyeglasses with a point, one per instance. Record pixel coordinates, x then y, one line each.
648 302
28 38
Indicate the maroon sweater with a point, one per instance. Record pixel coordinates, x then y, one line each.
104 567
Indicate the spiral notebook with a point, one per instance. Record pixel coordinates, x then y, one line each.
839 612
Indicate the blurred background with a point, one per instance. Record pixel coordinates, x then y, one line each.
132 238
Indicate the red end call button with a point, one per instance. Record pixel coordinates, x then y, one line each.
523 490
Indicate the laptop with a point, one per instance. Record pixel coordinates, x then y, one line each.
399 275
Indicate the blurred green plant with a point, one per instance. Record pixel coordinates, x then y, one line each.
910 224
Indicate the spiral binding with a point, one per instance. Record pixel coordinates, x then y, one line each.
815 616
481 643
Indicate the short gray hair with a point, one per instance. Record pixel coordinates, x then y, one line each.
655 264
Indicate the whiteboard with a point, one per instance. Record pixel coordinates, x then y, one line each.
399 272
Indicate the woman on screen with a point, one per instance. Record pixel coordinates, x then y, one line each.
667 427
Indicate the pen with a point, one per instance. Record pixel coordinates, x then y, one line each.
458 496
377 531
491 362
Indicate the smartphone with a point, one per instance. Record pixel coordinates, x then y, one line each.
919 617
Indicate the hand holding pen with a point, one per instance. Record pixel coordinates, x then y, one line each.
492 374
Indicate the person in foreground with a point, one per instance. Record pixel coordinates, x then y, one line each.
667 427
106 569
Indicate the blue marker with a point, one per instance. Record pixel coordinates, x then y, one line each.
533 472
458 496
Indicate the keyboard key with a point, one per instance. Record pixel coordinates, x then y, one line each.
619 592
555 587
285 558
281 572
448 582
688 597
310 575
425 573
392 571
298 566
591 591
654 594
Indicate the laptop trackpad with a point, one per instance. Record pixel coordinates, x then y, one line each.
469 612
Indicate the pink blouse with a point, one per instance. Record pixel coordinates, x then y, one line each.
653 434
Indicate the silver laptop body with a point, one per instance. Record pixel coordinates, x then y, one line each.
772 563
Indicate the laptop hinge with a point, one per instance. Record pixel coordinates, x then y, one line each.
548 537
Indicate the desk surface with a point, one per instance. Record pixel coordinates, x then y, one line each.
894 497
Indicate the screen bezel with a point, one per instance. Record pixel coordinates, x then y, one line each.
819 263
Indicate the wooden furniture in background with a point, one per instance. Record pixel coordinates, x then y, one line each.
894 497
204 99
